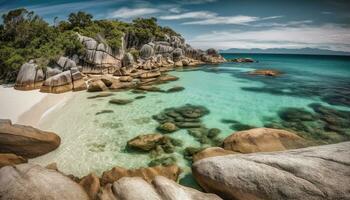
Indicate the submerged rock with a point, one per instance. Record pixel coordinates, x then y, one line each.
175 89
104 112
26 141
146 142
102 94
167 127
320 172
171 172
265 72
120 101
29 181
165 161
149 88
263 140
11 159
242 60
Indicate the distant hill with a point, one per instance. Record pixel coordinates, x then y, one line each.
308 51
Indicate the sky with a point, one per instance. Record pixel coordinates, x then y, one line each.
222 24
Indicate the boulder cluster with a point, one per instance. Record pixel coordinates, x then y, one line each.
260 163
124 68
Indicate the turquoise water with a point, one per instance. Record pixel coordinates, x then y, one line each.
96 143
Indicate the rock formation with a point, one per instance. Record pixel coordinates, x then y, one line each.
28 181
161 189
29 77
211 152
11 159
146 66
26 141
263 140
99 57
320 172
171 172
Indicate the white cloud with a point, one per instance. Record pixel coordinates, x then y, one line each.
194 2
132 12
332 37
189 15
239 19
290 23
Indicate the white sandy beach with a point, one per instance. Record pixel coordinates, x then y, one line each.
28 107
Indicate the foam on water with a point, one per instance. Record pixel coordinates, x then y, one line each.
97 143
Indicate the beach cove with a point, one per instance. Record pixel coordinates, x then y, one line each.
99 140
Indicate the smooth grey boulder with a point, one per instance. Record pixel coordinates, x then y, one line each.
163 48
146 51
29 181
321 172
52 72
177 54
99 57
29 77
66 63
59 83
177 41
128 60
136 188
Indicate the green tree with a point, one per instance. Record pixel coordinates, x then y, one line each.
80 19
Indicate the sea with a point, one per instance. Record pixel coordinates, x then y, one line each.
236 100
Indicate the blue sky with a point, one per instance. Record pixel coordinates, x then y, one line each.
222 24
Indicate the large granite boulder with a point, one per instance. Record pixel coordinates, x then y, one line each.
29 77
28 181
163 48
96 86
314 173
146 51
77 79
128 60
52 72
11 159
263 140
149 173
66 63
59 83
211 152
177 54
26 141
99 57
161 188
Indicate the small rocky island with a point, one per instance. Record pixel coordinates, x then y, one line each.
103 55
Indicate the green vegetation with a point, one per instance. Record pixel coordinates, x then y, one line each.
25 36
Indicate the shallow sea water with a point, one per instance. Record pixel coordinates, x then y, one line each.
95 143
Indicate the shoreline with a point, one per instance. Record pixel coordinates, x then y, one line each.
28 107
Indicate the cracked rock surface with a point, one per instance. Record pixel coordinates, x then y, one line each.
321 172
